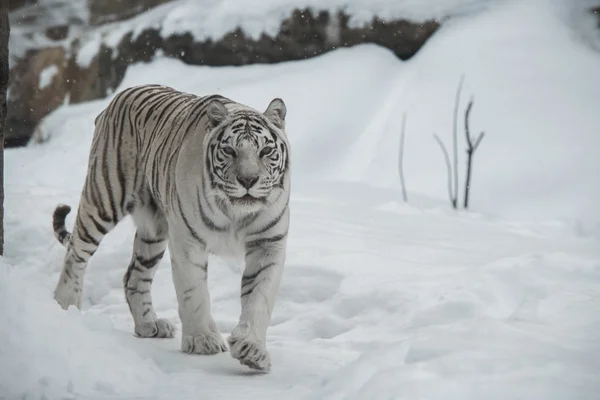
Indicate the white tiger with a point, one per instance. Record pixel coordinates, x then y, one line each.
201 175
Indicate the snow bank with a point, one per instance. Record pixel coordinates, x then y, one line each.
536 96
46 352
497 337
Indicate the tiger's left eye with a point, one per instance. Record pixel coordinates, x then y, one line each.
229 151
266 151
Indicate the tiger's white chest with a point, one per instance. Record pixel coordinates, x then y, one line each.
228 244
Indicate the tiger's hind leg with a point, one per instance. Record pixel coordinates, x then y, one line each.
81 245
149 246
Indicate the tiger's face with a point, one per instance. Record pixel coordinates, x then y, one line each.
247 154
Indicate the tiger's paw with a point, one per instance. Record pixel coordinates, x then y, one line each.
206 343
160 328
67 294
248 350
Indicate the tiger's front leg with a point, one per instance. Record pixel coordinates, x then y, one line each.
260 283
199 332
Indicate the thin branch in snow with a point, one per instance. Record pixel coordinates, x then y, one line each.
401 159
448 168
471 147
455 140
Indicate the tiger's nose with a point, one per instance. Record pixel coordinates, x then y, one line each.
247 181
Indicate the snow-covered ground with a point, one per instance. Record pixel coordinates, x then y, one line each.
379 299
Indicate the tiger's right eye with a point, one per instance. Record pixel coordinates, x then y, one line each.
229 151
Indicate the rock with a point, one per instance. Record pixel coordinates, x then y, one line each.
106 70
103 11
302 35
37 85
57 32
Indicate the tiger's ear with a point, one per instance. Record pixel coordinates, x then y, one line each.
216 112
276 112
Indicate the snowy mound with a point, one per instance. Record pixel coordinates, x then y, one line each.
379 299
48 352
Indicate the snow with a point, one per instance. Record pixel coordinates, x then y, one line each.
47 75
88 51
380 299
43 346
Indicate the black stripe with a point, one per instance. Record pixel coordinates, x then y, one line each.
161 120
126 280
122 113
101 229
133 291
176 120
84 234
107 181
203 267
149 262
158 123
90 252
138 269
248 291
210 207
156 103
247 220
167 140
223 207
188 225
118 132
197 116
248 279
152 241
272 223
96 197
149 91
259 244
210 224
78 259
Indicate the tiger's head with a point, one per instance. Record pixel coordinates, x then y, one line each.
247 154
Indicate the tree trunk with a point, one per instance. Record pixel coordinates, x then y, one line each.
4 33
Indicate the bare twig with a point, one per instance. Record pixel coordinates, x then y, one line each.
455 140
448 168
401 159
471 147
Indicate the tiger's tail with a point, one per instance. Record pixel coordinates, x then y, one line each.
58 223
